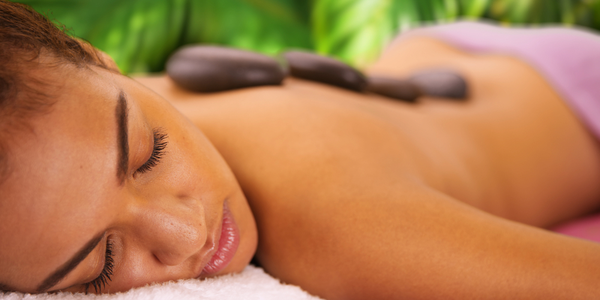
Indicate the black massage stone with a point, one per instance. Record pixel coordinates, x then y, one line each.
441 83
211 69
394 88
323 69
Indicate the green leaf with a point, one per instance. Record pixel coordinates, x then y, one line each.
450 10
584 13
355 31
567 11
138 34
267 26
141 34
406 14
595 7
474 8
520 9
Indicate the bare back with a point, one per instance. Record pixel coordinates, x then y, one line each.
356 195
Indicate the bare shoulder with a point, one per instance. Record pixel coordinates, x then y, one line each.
404 240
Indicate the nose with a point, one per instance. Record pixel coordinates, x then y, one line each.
171 230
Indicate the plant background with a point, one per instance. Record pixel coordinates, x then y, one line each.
141 34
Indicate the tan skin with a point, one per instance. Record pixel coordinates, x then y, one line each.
355 196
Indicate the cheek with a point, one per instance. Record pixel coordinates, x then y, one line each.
191 147
136 268
197 168
214 176
199 156
190 159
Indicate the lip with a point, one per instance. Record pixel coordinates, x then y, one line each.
229 241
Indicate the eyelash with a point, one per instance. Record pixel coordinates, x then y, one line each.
100 282
160 143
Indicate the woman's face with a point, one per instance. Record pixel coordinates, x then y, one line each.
114 182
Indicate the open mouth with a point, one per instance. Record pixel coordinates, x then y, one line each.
228 244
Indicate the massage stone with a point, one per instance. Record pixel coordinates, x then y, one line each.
323 69
211 69
440 83
394 88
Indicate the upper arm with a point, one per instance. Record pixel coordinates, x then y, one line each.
416 243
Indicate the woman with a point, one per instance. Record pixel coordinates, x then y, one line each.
108 186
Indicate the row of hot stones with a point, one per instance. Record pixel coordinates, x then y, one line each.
207 69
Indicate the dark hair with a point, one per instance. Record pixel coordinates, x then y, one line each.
26 39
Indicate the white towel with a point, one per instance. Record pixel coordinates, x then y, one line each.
252 283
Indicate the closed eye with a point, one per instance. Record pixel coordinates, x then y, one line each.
104 278
158 151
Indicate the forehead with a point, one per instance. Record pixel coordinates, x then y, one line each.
60 173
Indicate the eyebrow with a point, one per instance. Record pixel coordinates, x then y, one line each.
121 114
66 268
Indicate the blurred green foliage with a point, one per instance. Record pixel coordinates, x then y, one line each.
141 34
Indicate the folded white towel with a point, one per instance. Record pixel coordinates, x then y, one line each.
252 283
